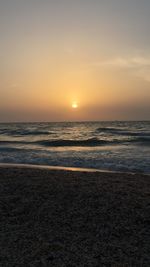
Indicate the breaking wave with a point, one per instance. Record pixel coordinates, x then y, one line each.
117 131
92 142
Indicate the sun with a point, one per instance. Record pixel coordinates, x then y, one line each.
74 105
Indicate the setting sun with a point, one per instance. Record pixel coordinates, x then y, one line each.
74 105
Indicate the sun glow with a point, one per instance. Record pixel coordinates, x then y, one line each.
74 105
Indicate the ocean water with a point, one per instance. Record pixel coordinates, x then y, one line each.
116 146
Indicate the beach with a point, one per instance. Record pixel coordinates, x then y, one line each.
64 218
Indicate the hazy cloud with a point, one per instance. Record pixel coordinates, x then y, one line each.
124 62
138 66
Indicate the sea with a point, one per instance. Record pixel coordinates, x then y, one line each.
114 146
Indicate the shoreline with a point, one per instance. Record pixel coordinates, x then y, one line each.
63 168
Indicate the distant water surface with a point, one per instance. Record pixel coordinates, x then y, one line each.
117 146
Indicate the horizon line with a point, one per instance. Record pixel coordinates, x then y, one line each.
83 121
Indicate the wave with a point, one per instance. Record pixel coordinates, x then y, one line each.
142 140
24 132
62 142
92 142
117 131
45 131
106 129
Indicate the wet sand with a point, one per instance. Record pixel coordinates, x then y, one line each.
63 218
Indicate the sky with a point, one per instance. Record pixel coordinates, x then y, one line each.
94 53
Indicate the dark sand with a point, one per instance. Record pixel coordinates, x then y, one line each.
63 219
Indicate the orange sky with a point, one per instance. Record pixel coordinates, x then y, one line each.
54 54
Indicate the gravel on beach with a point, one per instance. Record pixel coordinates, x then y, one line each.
62 218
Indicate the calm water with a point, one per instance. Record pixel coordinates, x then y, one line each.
123 146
